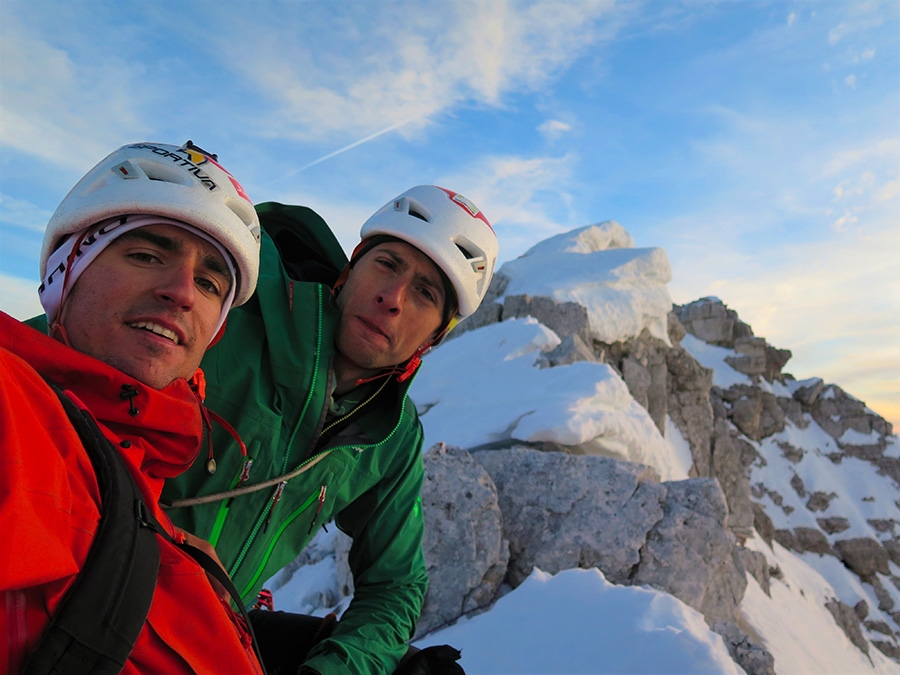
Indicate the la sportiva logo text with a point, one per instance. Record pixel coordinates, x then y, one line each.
184 158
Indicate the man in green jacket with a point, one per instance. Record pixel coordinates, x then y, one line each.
314 380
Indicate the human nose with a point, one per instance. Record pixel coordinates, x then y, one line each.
390 297
178 286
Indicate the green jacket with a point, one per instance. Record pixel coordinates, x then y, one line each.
269 378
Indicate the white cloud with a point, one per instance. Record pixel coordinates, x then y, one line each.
554 129
18 297
880 151
22 213
792 18
835 34
51 104
890 190
843 223
850 81
860 17
400 64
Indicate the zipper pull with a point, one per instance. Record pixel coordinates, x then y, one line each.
278 490
245 471
245 476
322 491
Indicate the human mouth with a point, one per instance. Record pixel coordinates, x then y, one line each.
374 328
156 329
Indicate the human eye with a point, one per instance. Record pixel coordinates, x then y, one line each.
208 285
143 256
386 262
428 294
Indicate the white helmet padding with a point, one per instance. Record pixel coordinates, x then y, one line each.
450 230
182 183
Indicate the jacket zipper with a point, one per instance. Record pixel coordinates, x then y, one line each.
277 534
275 499
322 490
242 477
265 516
265 512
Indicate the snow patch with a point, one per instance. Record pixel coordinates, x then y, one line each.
713 357
683 457
854 437
578 622
586 405
622 288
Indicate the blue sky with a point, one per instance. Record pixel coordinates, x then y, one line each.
758 143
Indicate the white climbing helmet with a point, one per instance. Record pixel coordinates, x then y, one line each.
450 230
182 183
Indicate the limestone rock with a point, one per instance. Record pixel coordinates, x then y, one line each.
563 318
865 557
754 412
834 524
728 466
862 609
751 358
791 453
807 395
889 649
793 410
465 552
787 538
675 329
883 595
763 524
752 657
688 384
812 540
689 553
837 413
892 546
571 349
711 321
592 511
846 618
879 627
758 567
820 501
642 364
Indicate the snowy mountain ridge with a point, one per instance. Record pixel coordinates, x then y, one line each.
579 420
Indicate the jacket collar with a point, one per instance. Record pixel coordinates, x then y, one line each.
164 426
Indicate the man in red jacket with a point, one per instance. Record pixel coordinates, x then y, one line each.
140 264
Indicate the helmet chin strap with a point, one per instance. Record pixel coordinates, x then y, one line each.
59 333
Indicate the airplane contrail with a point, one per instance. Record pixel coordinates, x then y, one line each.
347 147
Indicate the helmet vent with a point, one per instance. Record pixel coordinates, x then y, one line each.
165 173
468 255
416 214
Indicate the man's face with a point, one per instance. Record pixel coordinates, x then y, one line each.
149 303
391 305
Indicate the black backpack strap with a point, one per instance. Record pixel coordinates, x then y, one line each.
98 621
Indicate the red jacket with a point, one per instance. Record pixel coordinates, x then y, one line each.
49 505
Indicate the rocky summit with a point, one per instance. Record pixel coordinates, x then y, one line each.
581 420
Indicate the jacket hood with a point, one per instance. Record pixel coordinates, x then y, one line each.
164 426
